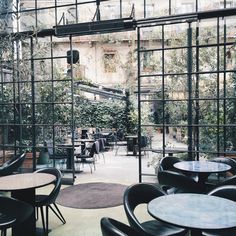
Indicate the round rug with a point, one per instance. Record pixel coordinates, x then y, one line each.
92 195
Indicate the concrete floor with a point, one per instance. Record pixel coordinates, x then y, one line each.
116 169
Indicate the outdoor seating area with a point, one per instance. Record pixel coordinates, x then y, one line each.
118 118
124 217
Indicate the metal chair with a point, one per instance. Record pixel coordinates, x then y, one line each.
111 227
57 155
42 200
89 158
12 165
143 193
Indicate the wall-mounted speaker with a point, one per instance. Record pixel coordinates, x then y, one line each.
74 57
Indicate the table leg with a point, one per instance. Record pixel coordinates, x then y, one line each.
28 227
135 146
196 232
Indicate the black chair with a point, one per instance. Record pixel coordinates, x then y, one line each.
111 227
89 158
174 182
167 163
229 181
101 142
42 200
229 161
13 213
143 193
229 192
12 165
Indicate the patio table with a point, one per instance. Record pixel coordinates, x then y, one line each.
22 187
202 168
196 212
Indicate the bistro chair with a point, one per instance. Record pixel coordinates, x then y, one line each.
12 165
174 182
13 213
229 161
101 142
167 163
143 193
43 200
56 154
228 192
229 181
89 158
111 227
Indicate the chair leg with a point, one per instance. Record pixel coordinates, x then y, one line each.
46 220
43 221
36 213
4 232
58 213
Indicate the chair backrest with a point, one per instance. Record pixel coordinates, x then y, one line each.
101 144
182 183
167 163
94 149
12 165
49 145
227 191
120 134
138 194
144 141
111 227
229 161
57 184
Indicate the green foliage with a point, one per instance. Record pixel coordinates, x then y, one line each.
101 114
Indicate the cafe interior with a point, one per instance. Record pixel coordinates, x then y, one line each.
118 118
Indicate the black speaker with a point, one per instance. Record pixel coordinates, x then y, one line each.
75 56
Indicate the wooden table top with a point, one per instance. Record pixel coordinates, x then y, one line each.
25 181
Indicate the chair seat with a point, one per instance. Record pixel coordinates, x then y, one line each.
84 160
154 226
6 221
39 198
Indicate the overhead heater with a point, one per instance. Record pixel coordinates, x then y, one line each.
96 27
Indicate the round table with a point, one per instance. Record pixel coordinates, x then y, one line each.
194 211
22 187
202 168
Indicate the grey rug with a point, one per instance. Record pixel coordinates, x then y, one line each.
92 195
